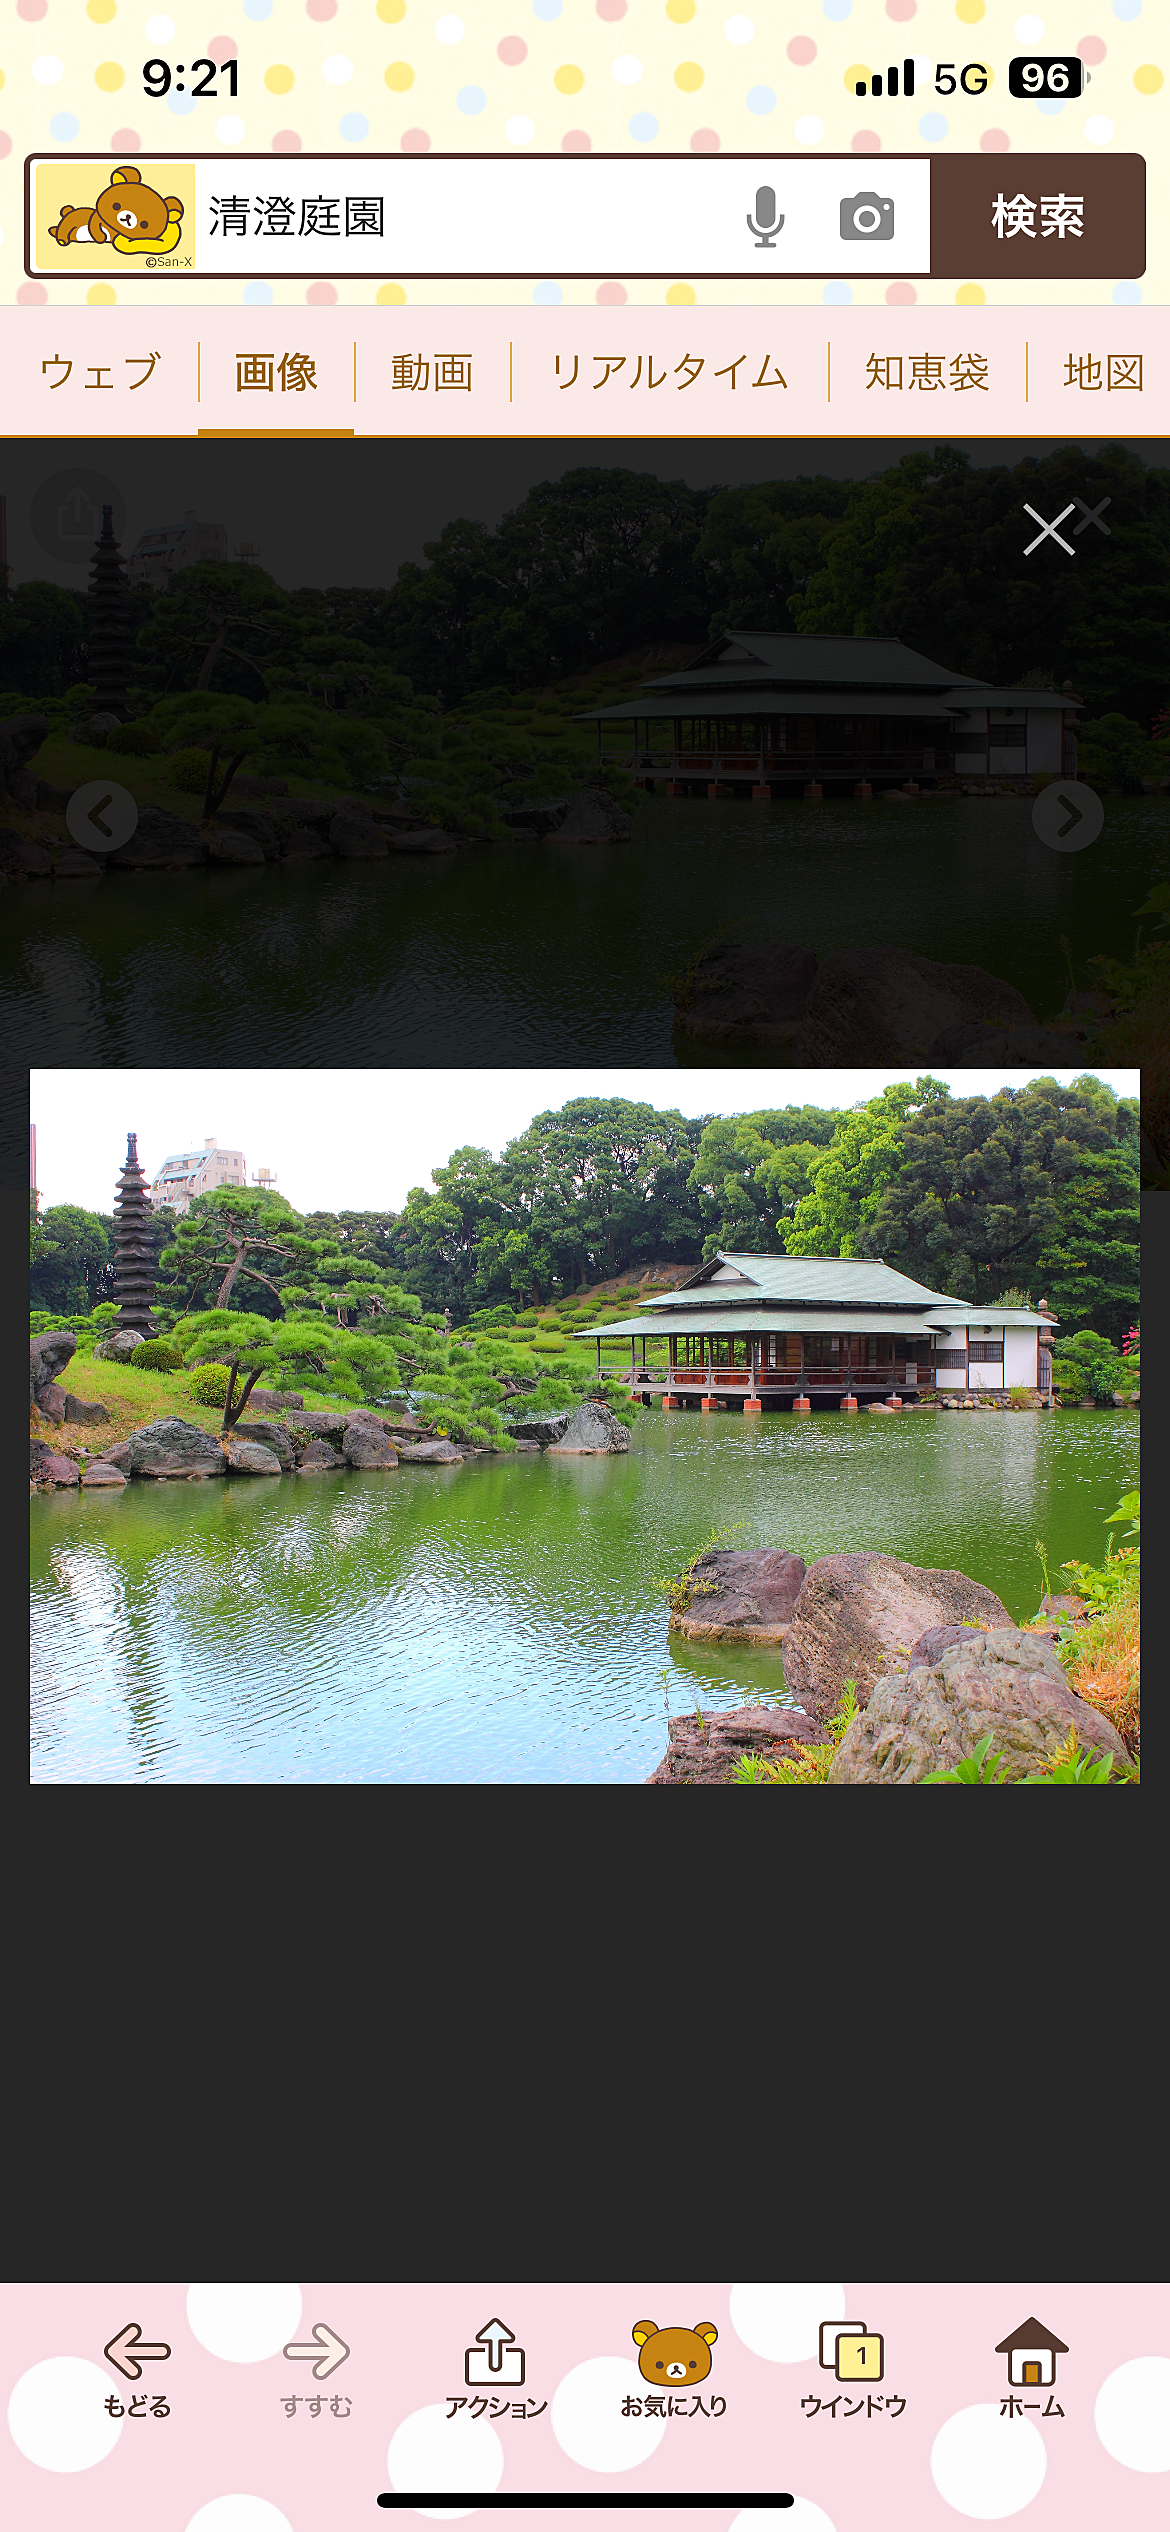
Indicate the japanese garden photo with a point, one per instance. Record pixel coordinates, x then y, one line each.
690 754
549 1426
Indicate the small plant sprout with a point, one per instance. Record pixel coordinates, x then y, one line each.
984 1767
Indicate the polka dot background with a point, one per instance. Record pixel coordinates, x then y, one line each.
228 2460
577 77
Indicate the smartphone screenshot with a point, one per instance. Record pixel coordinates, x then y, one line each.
794 2408
584 881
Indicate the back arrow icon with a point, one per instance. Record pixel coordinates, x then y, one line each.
326 2347
496 2335
127 2348
95 814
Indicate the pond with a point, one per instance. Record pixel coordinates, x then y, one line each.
497 1622
547 953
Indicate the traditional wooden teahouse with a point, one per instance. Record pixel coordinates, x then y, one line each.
775 715
782 1331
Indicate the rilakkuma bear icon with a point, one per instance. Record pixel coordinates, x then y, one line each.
680 2356
129 216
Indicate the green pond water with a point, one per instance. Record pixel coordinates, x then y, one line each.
548 953
497 1622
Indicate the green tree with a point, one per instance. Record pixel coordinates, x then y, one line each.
42 640
219 1242
849 1178
752 1172
1088 1366
993 1193
586 566
71 1250
1115 752
759 544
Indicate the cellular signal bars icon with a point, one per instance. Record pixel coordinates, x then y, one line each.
873 87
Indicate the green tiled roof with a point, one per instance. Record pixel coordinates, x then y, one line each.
763 1321
852 1280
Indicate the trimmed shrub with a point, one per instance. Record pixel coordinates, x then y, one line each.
156 1355
189 769
136 738
209 1385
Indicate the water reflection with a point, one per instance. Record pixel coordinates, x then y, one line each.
548 953
499 1622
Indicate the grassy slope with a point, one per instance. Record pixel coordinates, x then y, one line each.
133 1399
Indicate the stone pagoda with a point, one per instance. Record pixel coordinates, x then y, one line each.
110 646
134 1247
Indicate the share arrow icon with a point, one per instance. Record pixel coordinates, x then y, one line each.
128 2348
326 2348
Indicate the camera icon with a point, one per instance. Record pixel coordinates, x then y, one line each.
867 215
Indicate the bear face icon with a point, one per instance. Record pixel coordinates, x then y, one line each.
674 2356
129 215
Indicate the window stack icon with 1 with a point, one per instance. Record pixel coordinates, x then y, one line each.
851 2352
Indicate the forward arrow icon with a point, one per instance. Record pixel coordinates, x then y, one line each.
328 2350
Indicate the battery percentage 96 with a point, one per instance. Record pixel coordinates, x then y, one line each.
1061 75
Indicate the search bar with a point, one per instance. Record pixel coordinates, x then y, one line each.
743 218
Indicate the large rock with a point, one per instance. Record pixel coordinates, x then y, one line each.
94 730
315 1456
276 1438
593 1428
741 1596
259 787
542 1428
160 842
119 1347
874 1006
1028 1045
593 818
69 862
538 817
740 991
47 1357
705 1753
278 1401
422 839
367 1447
304 844
20 739
51 1468
857 1614
100 1473
51 1402
437 1452
230 844
117 1456
252 822
86 1411
248 1458
930 1713
22 859
171 1448
319 1424
356 838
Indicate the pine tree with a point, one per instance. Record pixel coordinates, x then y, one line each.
134 1263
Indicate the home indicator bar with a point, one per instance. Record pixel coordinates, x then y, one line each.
528 2497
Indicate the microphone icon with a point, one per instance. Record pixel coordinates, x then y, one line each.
768 221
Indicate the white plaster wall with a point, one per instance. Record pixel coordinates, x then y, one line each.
1019 1358
1044 740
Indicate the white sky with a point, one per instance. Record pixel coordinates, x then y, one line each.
341 1140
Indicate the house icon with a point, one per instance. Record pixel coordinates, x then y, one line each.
1031 2352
